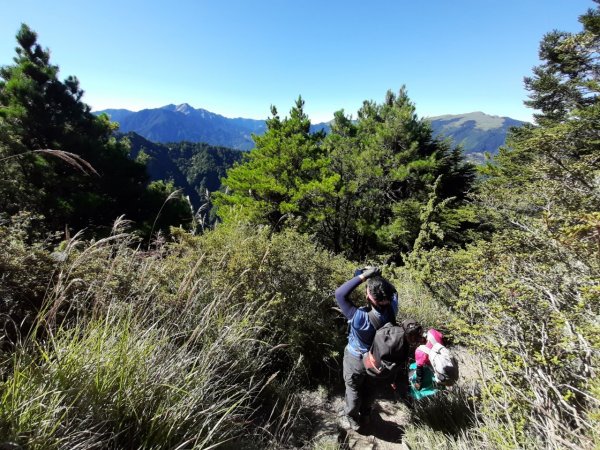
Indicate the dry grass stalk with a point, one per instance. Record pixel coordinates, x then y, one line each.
71 158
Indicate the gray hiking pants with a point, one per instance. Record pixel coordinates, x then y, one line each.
360 387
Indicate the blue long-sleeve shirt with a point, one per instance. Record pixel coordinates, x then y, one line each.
362 331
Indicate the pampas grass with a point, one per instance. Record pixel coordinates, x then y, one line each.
120 359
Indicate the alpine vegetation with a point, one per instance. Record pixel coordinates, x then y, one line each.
366 286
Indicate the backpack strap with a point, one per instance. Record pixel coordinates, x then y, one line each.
424 349
437 347
374 319
393 321
376 322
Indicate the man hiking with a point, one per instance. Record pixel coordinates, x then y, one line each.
382 306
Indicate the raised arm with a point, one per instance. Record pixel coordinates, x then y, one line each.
342 293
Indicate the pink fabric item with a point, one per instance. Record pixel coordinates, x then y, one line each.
433 336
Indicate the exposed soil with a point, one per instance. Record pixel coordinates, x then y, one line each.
388 419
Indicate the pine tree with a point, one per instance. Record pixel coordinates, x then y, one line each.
38 112
284 179
556 162
530 291
388 163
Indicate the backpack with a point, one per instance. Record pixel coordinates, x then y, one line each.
387 352
444 364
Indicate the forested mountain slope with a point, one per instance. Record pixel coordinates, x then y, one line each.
193 167
476 132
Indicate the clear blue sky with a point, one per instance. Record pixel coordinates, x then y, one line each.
238 57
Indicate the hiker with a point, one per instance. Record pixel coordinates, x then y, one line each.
435 366
422 358
382 303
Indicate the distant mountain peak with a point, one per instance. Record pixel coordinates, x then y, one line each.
182 122
482 121
184 108
476 132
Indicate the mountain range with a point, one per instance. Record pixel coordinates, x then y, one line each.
175 123
476 132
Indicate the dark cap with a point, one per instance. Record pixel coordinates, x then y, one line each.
411 326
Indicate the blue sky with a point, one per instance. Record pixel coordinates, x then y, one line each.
238 57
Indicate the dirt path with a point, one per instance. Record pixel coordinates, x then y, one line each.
388 420
384 432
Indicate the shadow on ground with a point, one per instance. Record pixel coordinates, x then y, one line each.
384 426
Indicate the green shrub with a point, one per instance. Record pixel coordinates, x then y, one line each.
533 312
26 270
417 302
286 274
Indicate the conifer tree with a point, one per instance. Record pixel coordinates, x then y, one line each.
388 163
556 161
284 179
530 291
38 112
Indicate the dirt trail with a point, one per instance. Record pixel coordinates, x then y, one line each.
384 432
388 420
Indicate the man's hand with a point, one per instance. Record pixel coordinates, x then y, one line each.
370 272
417 386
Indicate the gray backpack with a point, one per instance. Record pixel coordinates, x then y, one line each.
388 351
444 364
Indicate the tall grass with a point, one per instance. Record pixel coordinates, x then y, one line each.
169 348
121 381
145 349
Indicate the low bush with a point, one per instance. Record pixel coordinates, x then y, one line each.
193 343
533 312
26 270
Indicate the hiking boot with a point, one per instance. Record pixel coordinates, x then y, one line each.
349 423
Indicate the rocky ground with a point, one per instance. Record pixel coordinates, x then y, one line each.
388 420
384 432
